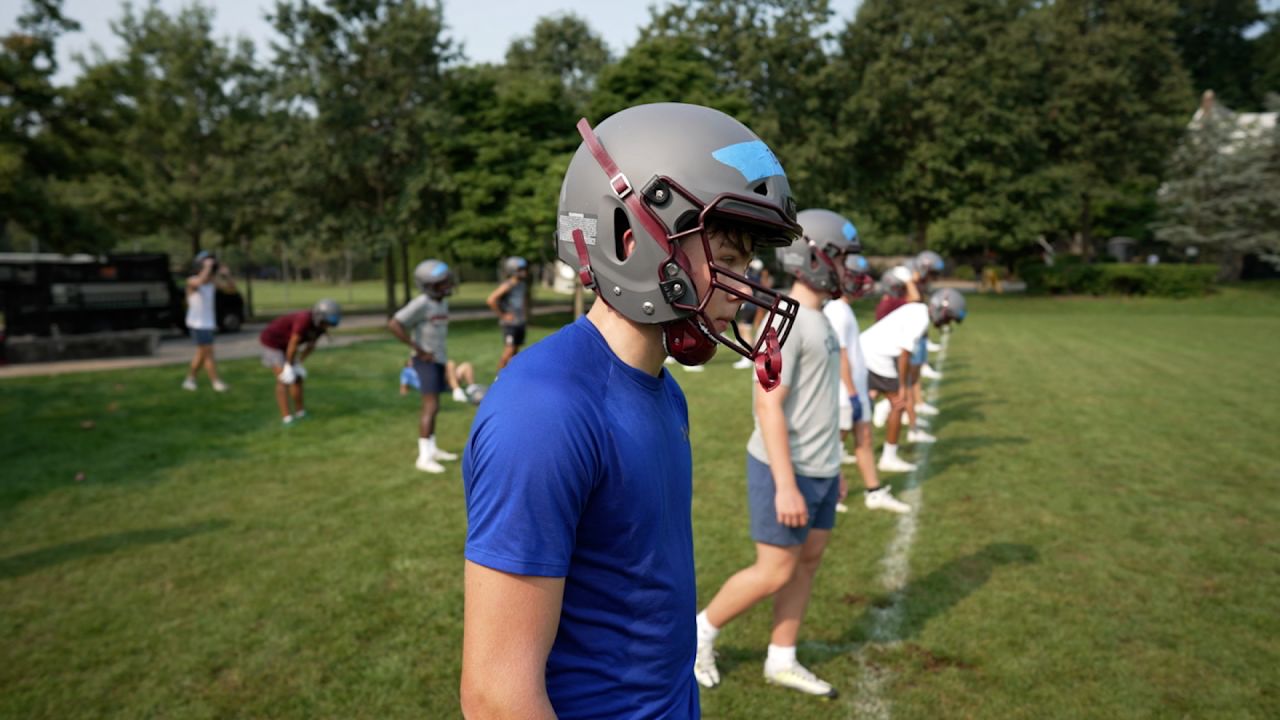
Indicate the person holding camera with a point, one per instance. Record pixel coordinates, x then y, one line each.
206 277
287 342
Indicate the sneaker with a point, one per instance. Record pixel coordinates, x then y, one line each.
926 409
933 346
920 436
928 373
219 386
428 465
880 415
694 368
882 499
922 422
443 455
300 415
669 361
895 465
798 677
459 395
189 384
704 666
743 364
849 459
842 508
287 421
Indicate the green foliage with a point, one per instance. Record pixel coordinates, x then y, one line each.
1214 49
1176 281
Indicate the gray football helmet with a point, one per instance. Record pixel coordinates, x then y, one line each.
513 265
326 311
818 258
945 306
655 175
928 263
434 278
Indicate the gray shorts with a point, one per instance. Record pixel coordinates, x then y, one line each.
820 495
881 383
272 358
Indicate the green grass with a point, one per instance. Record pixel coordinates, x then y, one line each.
272 297
1098 537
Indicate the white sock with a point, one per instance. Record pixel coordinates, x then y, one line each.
431 444
706 631
780 657
890 452
424 447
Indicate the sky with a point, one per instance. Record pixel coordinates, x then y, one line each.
484 27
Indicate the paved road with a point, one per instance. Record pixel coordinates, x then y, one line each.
176 349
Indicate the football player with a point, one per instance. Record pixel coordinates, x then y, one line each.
510 303
287 342
423 325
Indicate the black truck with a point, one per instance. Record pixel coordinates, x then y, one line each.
43 293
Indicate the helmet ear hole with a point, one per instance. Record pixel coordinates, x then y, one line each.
623 239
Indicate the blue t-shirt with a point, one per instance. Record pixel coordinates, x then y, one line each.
579 467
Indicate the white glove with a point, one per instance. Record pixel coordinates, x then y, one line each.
287 375
300 371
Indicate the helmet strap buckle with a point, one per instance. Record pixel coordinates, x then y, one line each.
621 185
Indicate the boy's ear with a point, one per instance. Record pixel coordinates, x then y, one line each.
628 243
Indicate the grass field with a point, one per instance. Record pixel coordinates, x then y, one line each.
272 297
1098 537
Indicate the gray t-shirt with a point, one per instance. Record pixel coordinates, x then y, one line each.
513 302
427 321
811 372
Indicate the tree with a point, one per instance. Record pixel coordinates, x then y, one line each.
368 77
1223 190
1213 47
563 47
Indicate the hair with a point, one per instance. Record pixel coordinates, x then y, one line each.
738 236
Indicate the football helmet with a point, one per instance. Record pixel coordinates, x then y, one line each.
946 306
326 311
513 265
857 266
643 182
928 264
433 278
818 258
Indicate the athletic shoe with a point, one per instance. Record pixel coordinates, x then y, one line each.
459 395
743 364
929 373
926 409
300 415
922 422
849 459
219 386
189 384
880 415
842 508
895 465
704 666
882 499
933 346
287 420
920 436
443 455
669 361
798 677
693 368
428 465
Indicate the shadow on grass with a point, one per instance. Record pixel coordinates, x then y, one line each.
29 562
954 452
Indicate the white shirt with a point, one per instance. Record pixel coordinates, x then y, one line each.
200 308
845 324
885 341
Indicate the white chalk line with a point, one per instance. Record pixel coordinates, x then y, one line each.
886 622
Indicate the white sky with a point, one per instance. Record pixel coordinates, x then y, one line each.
484 27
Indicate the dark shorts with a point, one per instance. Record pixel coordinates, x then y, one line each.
202 337
513 334
882 383
430 376
820 495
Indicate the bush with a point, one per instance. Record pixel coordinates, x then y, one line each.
964 272
1114 279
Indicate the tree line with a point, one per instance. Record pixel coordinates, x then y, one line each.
364 137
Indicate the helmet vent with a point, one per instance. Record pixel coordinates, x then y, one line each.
761 188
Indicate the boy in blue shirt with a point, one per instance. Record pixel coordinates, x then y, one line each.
580 587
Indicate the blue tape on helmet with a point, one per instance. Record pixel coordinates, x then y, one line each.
753 159
850 232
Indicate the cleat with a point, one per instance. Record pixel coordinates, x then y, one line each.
928 373
926 409
842 508
460 395
897 465
744 364
880 415
428 465
693 368
882 499
798 677
219 386
669 361
704 666
920 436
933 346
922 422
443 455
189 384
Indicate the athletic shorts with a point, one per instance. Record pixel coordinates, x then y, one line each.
202 337
920 355
853 410
820 495
272 358
881 383
513 334
430 376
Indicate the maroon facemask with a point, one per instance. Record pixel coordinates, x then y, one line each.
693 340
